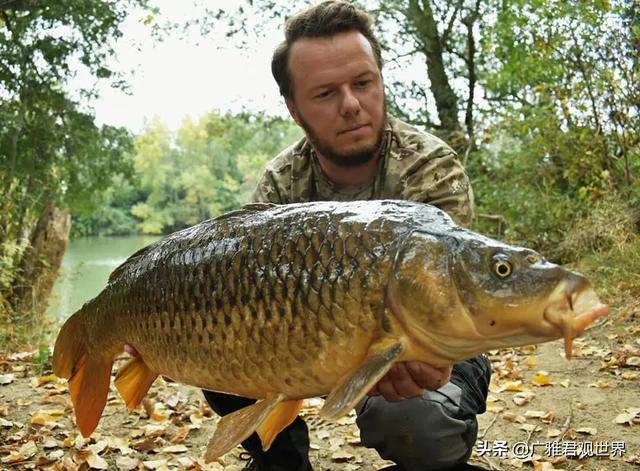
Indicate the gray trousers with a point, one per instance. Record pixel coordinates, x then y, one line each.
431 432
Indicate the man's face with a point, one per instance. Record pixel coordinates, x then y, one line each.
338 96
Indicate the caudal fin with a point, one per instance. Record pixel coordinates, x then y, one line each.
88 375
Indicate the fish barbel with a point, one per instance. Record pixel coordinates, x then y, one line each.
282 303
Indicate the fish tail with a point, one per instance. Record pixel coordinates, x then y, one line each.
88 374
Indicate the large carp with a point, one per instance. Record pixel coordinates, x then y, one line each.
282 303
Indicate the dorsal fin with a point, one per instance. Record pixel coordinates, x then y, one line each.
247 208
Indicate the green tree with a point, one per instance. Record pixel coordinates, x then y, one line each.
208 167
51 150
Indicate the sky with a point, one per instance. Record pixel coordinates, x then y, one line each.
190 76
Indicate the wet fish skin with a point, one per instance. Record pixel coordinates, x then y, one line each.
288 302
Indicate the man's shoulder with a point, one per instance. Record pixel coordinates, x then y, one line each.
410 143
283 162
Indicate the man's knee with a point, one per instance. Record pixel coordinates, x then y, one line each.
420 433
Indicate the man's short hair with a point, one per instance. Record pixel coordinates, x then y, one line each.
323 20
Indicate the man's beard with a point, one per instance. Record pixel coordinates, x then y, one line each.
346 160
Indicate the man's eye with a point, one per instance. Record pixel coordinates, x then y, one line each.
363 83
323 94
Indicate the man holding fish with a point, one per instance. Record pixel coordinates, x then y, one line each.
329 71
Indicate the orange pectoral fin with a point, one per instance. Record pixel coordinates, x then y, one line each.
134 380
279 418
89 387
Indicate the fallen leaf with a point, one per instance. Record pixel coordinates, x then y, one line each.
175 449
509 416
99 446
124 463
56 455
548 418
523 397
46 379
553 432
117 443
149 443
633 361
196 419
49 443
186 462
627 416
543 466
5 423
342 456
6 379
180 435
42 418
25 452
96 461
565 383
541 378
587 430
21 355
536 414
512 386
528 427
154 464
154 430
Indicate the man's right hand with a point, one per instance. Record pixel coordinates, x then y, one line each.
410 379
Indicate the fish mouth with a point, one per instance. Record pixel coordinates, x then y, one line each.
573 312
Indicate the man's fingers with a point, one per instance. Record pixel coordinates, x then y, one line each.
388 391
403 382
427 376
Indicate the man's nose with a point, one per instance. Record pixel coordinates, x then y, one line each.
350 104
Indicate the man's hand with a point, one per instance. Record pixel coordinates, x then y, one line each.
410 379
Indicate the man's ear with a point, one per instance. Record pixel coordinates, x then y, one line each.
292 110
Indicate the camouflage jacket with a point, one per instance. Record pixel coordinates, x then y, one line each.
414 166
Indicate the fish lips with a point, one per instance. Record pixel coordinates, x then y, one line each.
570 314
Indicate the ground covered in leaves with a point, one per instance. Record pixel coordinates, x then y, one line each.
543 413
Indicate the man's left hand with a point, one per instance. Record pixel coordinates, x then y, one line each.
410 379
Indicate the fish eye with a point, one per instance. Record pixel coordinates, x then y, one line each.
502 268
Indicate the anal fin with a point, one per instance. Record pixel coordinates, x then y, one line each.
352 388
89 388
279 418
238 426
134 380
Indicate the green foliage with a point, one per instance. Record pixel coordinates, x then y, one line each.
561 77
204 169
517 198
50 146
615 272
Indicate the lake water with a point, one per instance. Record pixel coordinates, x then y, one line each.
85 270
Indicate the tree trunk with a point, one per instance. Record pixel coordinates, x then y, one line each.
40 264
420 16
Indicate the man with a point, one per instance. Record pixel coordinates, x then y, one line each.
329 73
